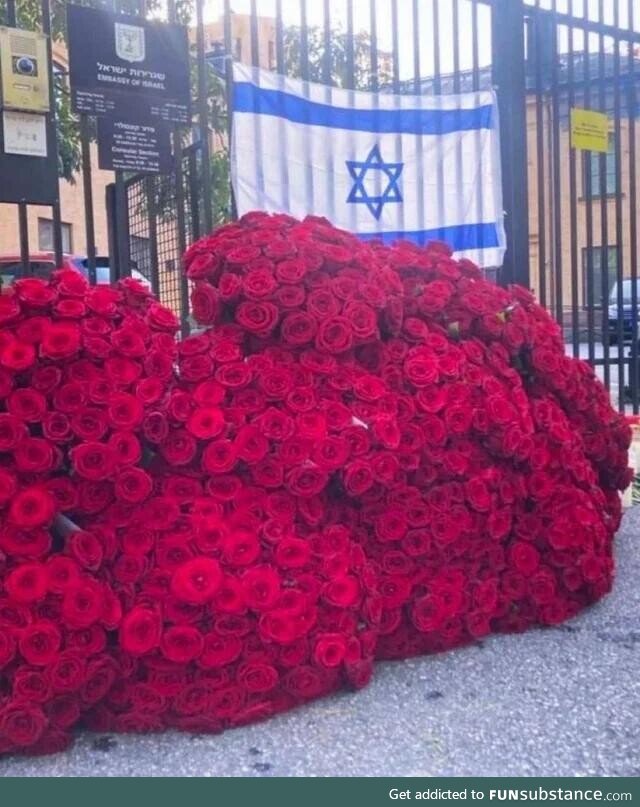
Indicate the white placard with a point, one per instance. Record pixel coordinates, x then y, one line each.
25 134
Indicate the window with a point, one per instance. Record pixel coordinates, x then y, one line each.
592 166
272 55
610 255
45 236
237 49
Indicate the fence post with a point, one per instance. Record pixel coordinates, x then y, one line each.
508 42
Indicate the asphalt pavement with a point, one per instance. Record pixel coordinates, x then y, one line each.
554 702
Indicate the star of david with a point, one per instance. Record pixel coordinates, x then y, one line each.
358 171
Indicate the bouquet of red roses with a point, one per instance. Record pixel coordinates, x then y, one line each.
367 452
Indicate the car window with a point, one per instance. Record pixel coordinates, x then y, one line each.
9 271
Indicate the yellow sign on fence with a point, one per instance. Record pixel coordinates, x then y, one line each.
589 130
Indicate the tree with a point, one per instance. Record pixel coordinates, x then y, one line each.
362 79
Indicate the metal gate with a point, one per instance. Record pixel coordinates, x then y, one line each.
583 205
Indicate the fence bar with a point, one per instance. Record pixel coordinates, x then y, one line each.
437 89
604 211
617 139
350 54
373 17
573 206
87 186
45 11
181 224
23 224
327 78
540 159
509 76
194 194
475 47
587 161
228 51
633 215
556 181
23 231
304 41
203 120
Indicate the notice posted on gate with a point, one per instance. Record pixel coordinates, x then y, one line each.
589 130
140 147
128 67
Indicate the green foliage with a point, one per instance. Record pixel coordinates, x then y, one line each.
338 61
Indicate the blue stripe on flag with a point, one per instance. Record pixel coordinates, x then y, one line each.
248 97
460 237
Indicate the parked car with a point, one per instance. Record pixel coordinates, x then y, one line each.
626 313
41 264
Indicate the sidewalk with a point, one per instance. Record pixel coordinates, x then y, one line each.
549 703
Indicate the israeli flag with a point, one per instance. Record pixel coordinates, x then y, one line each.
380 165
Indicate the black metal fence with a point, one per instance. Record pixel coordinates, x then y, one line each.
571 216
583 205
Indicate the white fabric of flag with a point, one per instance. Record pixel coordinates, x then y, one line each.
385 166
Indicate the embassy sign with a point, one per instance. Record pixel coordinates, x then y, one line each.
127 67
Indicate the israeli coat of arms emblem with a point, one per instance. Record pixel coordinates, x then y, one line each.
130 44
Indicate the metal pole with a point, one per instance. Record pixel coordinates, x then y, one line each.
181 231
123 267
23 223
509 77
228 51
203 119
87 184
51 134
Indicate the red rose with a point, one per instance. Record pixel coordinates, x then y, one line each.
86 548
12 431
22 724
330 650
306 481
305 682
67 672
60 340
257 677
219 650
140 631
82 604
178 448
17 356
334 335
89 424
206 422
182 644
219 457
27 583
197 580
292 553
125 411
259 318
261 587
32 507
298 329
39 643
133 485
204 303
358 478
93 461
27 404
